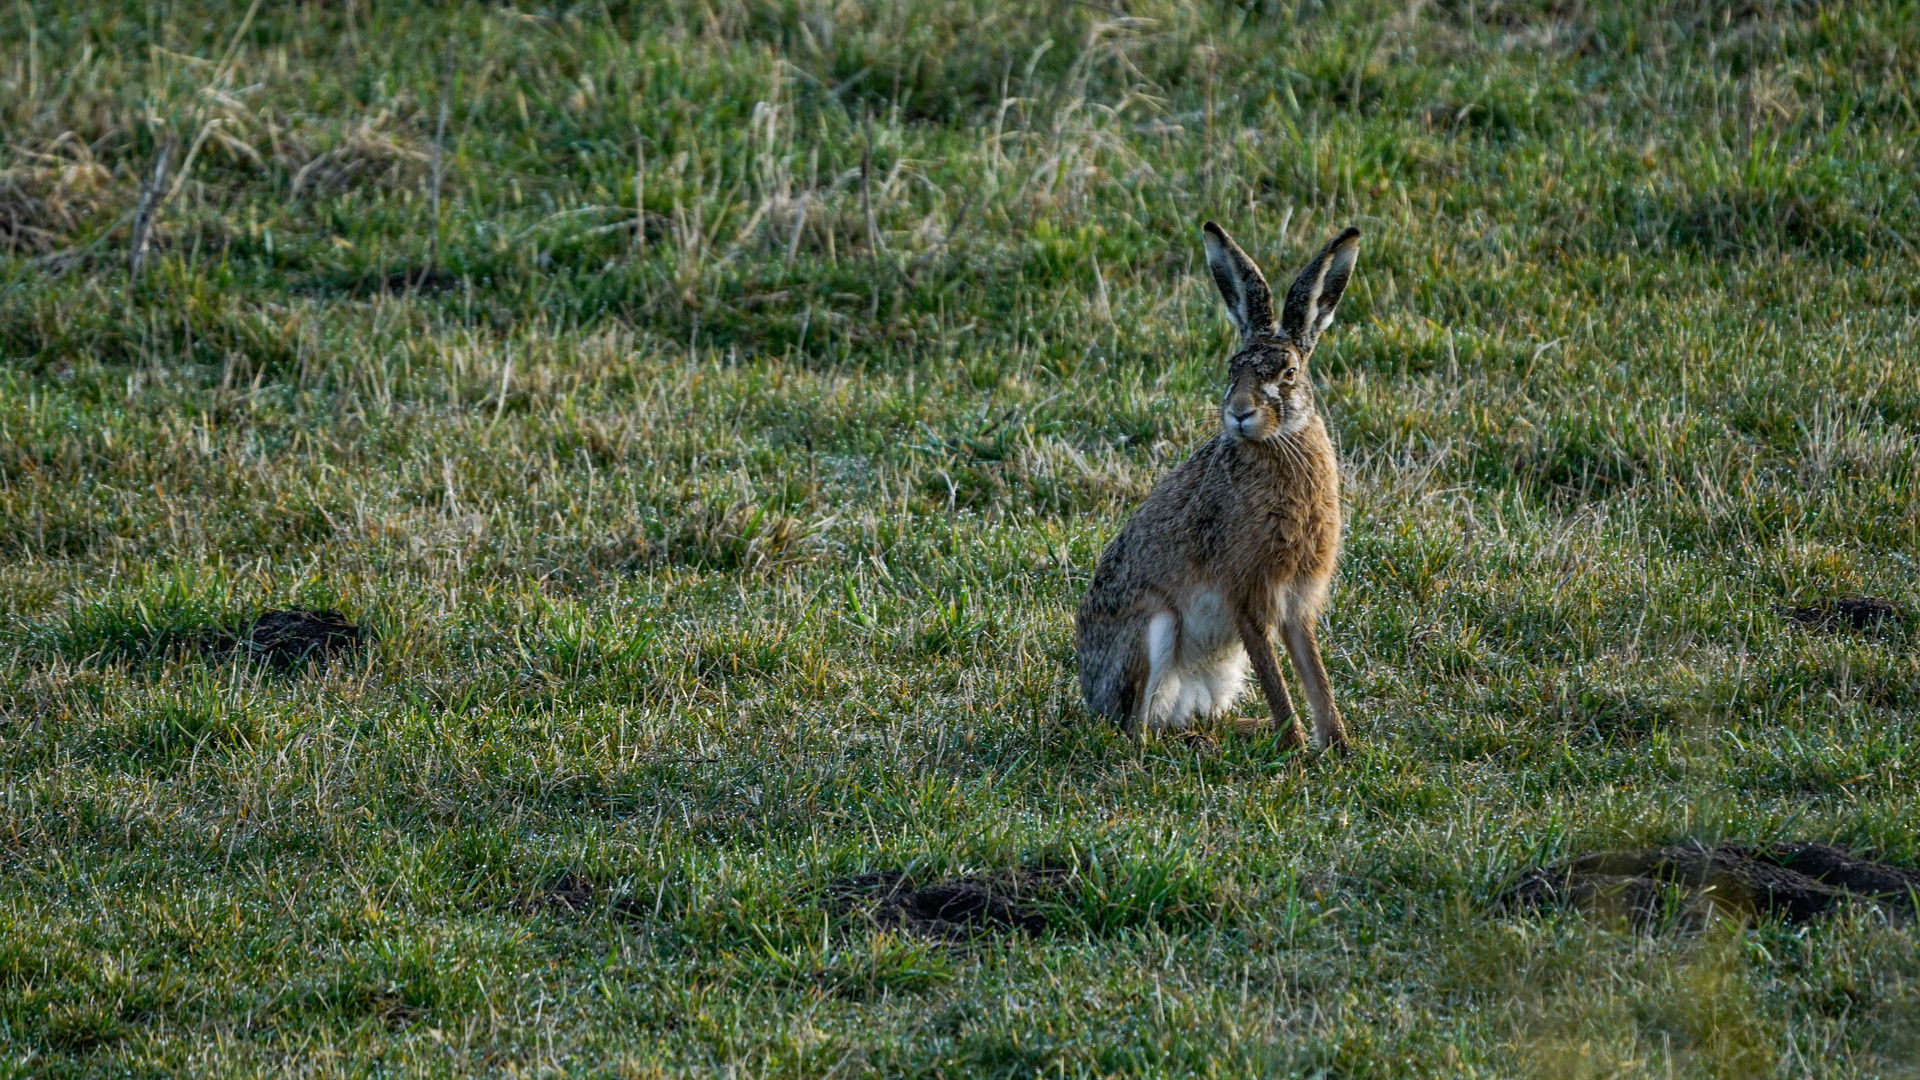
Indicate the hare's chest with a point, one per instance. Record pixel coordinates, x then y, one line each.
1209 619
1281 595
1207 624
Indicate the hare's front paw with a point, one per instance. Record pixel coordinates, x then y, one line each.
1334 739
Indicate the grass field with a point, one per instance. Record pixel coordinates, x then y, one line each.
717 457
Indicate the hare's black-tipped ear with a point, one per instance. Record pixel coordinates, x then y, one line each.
1249 301
1316 292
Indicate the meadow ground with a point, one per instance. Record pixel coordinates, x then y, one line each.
714 410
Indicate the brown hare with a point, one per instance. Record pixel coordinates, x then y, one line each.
1239 539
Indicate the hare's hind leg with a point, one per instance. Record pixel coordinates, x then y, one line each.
1162 641
1253 637
1304 647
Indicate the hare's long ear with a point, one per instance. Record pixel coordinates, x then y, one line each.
1249 301
1316 292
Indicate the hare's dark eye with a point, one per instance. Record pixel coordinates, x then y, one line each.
1288 374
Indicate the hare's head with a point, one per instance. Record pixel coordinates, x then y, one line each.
1267 391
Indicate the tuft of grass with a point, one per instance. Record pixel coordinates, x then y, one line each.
718 416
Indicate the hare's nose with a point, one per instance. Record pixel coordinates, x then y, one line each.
1242 412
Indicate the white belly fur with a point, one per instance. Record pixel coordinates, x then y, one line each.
1196 665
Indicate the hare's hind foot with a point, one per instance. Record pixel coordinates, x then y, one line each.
1294 737
1196 739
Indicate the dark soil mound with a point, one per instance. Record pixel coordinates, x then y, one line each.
426 280
955 909
290 637
568 894
1854 612
1690 883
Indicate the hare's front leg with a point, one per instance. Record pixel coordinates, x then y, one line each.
1304 647
1253 636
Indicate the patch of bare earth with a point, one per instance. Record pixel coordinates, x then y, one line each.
1684 885
953 909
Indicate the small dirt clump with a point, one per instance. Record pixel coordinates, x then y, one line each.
954 910
290 637
1686 885
568 894
1847 613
